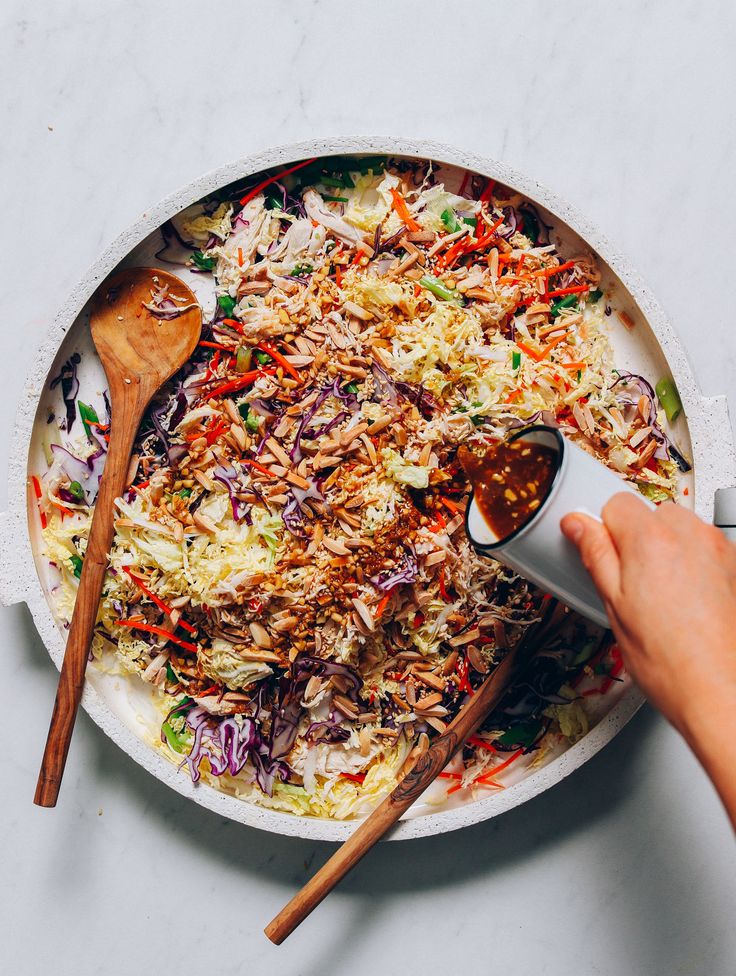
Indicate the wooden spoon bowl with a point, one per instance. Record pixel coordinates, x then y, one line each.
140 351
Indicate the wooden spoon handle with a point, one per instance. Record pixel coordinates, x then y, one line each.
424 772
94 567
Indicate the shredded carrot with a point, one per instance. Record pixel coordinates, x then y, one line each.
338 275
513 396
241 382
550 345
382 603
259 467
475 741
234 324
37 491
278 358
214 345
399 205
548 272
240 256
497 769
137 623
452 506
572 290
273 179
573 366
536 356
157 600
62 508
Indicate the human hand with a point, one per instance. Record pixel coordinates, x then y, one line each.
668 582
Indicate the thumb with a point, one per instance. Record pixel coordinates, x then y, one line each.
597 552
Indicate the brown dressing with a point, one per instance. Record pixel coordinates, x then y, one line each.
509 482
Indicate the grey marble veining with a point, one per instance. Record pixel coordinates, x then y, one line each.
625 109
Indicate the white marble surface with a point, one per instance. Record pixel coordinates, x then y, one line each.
625 108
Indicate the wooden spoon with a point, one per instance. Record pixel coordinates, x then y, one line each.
416 781
139 352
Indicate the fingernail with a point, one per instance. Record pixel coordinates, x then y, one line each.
572 528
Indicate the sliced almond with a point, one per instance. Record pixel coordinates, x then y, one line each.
639 435
260 634
358 311
259 654
436 723
450 661
476 659
285 624
434 558
365 613
278 452
428 701
238 435
204 481
466 638
204 524
431 679
336 546
346 706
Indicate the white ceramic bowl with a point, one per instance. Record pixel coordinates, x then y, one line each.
122 708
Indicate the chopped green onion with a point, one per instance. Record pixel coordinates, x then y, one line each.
87 414
580 374
227 304
76 489
273 203
595 295
172 738
185 493
330 199
243 359
442 292
262 357
568 302
669 398
76 562
351 388
171 675
450 220
301 269
333 181
473 221
515 360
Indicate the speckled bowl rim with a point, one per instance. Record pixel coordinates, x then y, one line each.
708 422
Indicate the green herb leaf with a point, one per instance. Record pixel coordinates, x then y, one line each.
515 360
76 562
261 357
450 220
442 292
595 295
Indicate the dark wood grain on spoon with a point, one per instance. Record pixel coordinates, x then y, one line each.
424 772
139 352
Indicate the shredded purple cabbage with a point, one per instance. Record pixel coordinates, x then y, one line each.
406 572
228 744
